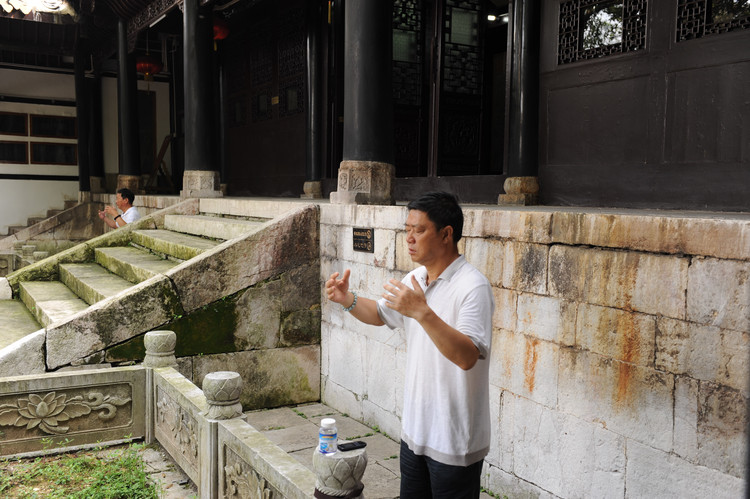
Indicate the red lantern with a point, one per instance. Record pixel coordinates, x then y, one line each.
221 29
148 65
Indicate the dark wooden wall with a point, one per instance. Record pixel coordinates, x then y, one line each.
664 125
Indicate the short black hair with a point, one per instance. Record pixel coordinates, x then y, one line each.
442 209
126 193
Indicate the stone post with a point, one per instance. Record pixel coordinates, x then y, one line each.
222 390
340 474
159 353
160 349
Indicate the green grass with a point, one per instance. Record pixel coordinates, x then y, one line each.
119 474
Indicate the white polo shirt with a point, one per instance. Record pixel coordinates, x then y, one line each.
131 215
446 409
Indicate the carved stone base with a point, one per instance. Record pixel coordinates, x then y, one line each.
313 190
340 474
201 184
520 191
364 182
132 182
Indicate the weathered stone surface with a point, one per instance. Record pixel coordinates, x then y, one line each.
546 318
300 327
719 293
710 425
25 356
614 333
506 309
16 322
566 456
132 264
380 359
656 473
286 243
91 281
247 454
487 256
507 485
525 267
139 309
176 244
273 378
520 224
691 235
258 313
50 301
210 226
353 215
525 366
703 352
630 400
349 373
639 282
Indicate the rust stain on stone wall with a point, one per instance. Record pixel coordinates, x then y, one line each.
629 346
529 365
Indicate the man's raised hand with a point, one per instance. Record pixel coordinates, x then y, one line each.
337 290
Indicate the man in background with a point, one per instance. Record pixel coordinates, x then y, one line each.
124 201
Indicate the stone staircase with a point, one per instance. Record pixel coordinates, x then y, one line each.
150 252
13 229
237 280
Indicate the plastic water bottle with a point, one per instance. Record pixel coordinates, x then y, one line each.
327 436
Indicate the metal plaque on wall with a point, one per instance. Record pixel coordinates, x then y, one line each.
362 239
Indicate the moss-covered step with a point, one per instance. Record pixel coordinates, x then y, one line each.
131 263
210 226
50 301
91 281
176 244
17 322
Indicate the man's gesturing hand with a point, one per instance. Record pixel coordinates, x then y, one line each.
337 290
405 300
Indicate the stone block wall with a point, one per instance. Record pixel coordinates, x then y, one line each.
620 346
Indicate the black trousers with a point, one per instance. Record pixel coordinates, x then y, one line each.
424 478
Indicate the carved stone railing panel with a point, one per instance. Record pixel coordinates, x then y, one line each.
179 425
71 409
250 465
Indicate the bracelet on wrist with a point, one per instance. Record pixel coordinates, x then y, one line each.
118 216
354 303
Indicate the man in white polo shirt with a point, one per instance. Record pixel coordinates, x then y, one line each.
445 308
124 201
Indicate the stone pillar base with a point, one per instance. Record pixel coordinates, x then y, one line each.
364 182
522 191
201 184
313 190
132 182
84 197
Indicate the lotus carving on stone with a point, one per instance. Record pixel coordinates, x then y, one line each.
47 411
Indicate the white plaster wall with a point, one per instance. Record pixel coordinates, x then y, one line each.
21 199
620 351
19 83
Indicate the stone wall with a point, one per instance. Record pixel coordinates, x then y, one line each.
620 346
